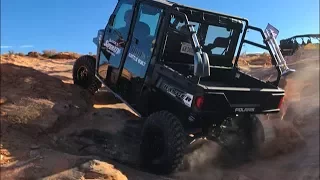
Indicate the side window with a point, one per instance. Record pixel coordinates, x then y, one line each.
211 42
145 33
150 19
116 34
123 19
120 19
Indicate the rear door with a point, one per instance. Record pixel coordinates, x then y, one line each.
140 53
113 44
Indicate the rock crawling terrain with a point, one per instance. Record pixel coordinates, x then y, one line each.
51 129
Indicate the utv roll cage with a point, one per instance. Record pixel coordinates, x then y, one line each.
173 91
309 36
201 63
290 45
270 43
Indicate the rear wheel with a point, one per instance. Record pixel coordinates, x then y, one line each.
257 136
163 143
84 74
243 142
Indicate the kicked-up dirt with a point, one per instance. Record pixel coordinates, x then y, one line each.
52 129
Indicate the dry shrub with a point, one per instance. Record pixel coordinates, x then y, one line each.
33 54
65 55
10 53
49 53
20 54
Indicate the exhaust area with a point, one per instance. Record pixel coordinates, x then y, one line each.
285 133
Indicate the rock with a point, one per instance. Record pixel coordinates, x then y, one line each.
101 170
242 177
3 100
67 174
55 138
82 99
34 147
65 55
2 113
64 109
85 141
34 153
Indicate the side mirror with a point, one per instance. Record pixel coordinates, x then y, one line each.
201 64
100 34
97 40
111 19
206 64
198 67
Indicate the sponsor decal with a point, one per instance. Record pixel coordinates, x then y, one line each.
112 47
184 97
244 109
137 56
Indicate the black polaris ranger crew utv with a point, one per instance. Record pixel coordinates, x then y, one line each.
177 66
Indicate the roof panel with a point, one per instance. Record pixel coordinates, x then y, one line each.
170 3
164 2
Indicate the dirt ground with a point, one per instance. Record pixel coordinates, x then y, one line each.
51 129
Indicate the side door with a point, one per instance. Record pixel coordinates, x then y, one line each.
140 52
113 43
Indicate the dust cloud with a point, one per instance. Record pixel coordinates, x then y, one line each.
300 108
201 161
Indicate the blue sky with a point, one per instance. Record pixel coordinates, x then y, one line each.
70 25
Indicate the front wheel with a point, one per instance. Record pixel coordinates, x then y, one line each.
163 143
84 74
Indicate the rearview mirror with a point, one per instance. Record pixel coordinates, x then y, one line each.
198 68
206 64
201 64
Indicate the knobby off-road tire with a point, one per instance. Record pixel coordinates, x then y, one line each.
244 144
163 143
258 133
84 74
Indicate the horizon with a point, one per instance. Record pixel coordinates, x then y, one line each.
70 26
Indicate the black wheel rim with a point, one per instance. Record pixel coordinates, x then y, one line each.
83 75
